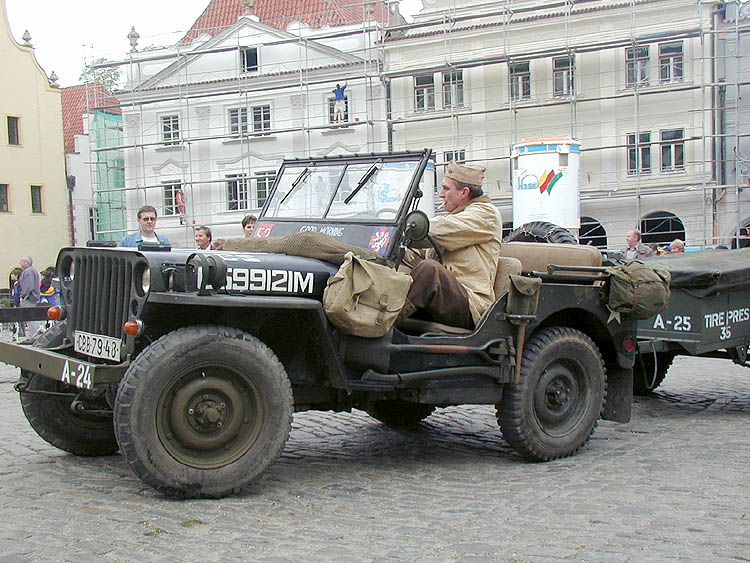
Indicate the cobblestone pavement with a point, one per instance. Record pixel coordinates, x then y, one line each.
670 485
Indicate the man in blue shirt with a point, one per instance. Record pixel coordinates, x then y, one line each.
339 107
147 233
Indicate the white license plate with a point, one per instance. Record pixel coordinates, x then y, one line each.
97 345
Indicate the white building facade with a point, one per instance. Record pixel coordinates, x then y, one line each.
207 125
630 81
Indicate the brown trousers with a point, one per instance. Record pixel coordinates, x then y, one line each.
437 295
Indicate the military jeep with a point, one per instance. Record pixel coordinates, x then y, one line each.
192 363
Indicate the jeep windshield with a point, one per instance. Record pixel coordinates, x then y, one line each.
371 188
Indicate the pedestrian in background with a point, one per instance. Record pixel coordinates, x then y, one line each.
248 223
147 232
203 238
29 290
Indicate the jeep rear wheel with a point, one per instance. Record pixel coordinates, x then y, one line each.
399 414
46 405
203 411
553 411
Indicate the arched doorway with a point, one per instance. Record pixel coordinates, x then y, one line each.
592 232
662 227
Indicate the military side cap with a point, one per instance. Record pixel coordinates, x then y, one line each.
465 173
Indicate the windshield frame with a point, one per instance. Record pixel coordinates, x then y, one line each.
420 158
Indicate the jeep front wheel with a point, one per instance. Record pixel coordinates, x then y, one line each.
203 411
553 411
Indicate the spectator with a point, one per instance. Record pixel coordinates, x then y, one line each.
248 223
636 249
15 287
339 106
29 290
677 246
147 232
203 238
47 292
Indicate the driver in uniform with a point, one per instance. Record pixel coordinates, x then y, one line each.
461 289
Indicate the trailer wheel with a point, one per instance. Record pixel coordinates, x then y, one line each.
203 411
554 410
51 416
645 377
399 414
541 231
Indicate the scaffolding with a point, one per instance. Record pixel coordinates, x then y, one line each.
204 82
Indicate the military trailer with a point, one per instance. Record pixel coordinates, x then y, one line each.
708 314
191 364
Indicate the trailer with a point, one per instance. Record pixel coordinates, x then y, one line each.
708 314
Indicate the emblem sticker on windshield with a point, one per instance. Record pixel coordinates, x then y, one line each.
380 239
263 230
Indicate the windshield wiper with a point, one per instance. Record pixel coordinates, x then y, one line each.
304 175
369 174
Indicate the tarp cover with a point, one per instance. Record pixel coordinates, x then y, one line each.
311 245
708 271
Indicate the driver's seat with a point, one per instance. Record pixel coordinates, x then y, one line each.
506 266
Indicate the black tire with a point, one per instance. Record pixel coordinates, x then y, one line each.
541 231
203 411
645 378
51 416
554 410
399 414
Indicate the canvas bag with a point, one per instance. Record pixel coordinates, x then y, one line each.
638 290
364 298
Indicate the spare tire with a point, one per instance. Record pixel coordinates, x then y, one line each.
541 231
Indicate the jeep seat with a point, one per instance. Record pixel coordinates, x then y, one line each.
505 267
536 256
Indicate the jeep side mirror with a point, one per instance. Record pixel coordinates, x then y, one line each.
417 225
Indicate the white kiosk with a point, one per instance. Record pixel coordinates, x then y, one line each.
546 182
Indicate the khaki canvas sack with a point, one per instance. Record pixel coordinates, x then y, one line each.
364 298
638 290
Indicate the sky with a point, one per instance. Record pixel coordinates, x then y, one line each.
67 35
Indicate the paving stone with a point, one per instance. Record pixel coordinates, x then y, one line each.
668 486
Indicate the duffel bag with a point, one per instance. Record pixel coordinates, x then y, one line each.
364 298
638 290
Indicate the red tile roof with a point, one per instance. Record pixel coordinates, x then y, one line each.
280 13
76 102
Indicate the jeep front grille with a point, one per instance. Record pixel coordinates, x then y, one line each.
101 296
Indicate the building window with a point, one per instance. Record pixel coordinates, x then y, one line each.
170 198
93 219
520 81
453 89
238 121
332 108
672 150
170 129
670 62
458 155
14 132
261 118
564 76
237 192
249 59
424 93
4 207
36 199
639 153
662 227
592 233
636 63
263 184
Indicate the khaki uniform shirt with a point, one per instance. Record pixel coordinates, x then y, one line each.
470 237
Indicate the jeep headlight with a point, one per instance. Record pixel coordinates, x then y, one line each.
142 278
